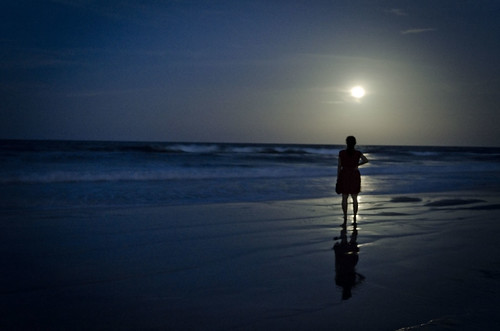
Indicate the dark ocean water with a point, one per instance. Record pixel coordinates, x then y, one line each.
67 174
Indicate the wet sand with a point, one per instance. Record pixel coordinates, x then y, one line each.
425 261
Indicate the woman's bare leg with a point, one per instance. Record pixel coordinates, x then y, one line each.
355 205
344 206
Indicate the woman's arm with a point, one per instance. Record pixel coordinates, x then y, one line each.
339 166
363 160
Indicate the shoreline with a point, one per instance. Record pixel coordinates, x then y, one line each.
425 257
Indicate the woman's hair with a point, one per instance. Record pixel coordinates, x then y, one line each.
351 142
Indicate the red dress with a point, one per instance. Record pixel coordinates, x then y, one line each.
349 179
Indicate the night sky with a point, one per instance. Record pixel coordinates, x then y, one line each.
251 71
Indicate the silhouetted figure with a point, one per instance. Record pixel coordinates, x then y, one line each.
346 258
348 176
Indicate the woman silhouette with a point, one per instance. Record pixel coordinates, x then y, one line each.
348 176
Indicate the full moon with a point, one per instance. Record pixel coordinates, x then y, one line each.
358 92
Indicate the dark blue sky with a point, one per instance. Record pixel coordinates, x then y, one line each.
251 71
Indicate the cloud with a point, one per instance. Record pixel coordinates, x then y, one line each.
417 31
32 58
106 93
396 11
73 3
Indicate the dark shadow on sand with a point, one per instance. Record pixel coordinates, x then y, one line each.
452 202
346 258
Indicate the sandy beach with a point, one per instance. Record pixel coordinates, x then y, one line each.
426 261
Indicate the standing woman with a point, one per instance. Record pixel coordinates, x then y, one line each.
348 176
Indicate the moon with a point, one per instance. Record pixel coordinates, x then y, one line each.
358 92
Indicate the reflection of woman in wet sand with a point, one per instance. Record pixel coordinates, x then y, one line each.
346 258
348 176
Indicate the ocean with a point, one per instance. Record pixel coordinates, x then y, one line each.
72 174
